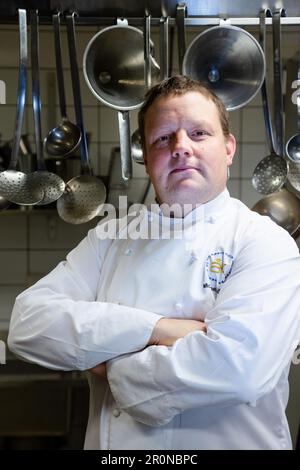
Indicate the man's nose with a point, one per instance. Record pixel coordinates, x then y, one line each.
181 145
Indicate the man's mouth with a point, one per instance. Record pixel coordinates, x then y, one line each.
184 169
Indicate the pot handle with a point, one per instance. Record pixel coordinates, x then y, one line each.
277 71
180 22
266 12
125 144
164 47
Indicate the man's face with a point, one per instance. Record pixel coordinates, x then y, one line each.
187 154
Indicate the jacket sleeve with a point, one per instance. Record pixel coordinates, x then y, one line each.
252 332
58 324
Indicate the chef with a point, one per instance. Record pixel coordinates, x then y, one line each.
187 338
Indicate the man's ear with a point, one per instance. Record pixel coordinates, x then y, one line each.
230 148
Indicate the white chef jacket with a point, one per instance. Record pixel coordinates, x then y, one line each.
226 389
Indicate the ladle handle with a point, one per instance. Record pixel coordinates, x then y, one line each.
23 59
125 144
36 97
147 52
180 22
298 98
164 47
266 109
278 98
59 68
84 158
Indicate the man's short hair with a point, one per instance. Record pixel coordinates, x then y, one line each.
178 85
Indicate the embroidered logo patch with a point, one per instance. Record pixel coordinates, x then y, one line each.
218 266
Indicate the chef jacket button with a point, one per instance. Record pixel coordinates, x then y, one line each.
116 412
178 306
193 257
150 217
210 220
128 252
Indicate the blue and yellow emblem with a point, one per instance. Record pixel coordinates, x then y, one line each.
218 266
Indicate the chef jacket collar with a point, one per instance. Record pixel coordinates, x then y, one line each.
201 211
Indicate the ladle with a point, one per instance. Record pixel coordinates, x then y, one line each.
271 172
16 186
136 147
65 138
293 144
283 207
52 185
85 194
4 203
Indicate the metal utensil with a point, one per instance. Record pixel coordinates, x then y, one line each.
52 185
230 61
116 76
164 47
136 143
293 175
293 144
136 147
4 203
65 138
16 186
271 172
283 207
181 11
85 194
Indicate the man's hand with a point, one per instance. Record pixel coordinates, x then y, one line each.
168 330
165 333
99 370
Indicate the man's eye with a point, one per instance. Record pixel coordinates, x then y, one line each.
163 138
198 133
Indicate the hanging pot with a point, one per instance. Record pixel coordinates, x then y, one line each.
283 207
228 60
114 69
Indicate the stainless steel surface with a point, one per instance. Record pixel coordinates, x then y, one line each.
137 8
4 203
16 186
82 199
114 73
116 76
181 33
271 172
147 50
283 207
51 184
164 47
293 144
84 194
230 61
277 71
65 138
293 148
136 147
293 175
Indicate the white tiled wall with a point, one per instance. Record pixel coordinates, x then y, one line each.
32 243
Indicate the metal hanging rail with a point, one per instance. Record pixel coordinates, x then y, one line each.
189 21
